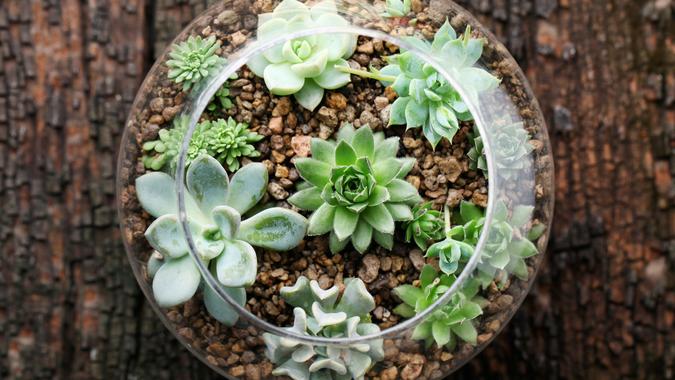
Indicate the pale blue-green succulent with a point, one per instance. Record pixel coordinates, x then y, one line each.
511 149
214 206
324 313
397 8
355 188
304 67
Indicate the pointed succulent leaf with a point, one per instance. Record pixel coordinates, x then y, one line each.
386 149
327 318
386 170
221 310
344 154
310 96
356 301
299 295
238 264
325 298
384 240
208 183
405 310
380 218
176 281
422 331
401 191
379 196
228 220
157 194
313 171
332 78
336 245
276 228
303 353
408 163
307 199
399 211
408 294
362 237
247 187
440 332
465 331
321 220
154 263
344 223
521 215
398 109
359 363
166 235
323 150
363 142
346 133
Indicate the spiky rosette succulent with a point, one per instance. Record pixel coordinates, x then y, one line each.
397 8
224 242
427 225
193 60
451 322
511 150
304 66
355 188
227 141
477 153
326 313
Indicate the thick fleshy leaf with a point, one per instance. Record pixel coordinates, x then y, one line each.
166 236
282 80
313 171
386 149
176 281
401 191
157 194
292 369
154 263
208 183
408 163
336 245
344 223
397 114
379 195
308 199
386 170
312 67
247 187
400 211
327 318
228 220
257 64
321 220
362 237
276 228
521 215
267 31
518 267
221 310
468 211
405 311
422 331
298 295
380 218
409 294
332 78
323 150
416 114
310 96
355 299
359 363
238 265
346 133
465 331
440 332
344 154
384 240
363 143
523 248
328 364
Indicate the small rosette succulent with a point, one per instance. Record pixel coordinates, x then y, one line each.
355 188
476 154
427 225
397 8
227 141
324 313
426 98
304 67
511 150
451 322
224 242
193 60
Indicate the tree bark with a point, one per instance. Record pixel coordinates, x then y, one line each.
603 305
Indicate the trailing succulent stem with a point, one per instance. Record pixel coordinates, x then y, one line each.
355 188
214 205
304 67
326 313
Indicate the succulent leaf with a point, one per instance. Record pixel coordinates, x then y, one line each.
176 281
247 187
238 264
221 310
207 182
275 228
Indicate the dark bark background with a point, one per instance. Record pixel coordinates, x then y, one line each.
603 306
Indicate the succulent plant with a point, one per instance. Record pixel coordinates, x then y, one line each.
397 8
227 141
222 97
324 313
449 323
426 98
355 188
193 60
511 149
426 226
214 206
477 153
306 66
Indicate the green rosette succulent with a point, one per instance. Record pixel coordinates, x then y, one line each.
228 141
355 188
224 242
304 67
512 150
397 8
193 60
326 313
448 324
222 97
426 226
476 154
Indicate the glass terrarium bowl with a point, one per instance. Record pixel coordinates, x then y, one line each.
222 181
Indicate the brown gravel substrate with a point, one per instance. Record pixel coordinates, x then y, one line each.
442 176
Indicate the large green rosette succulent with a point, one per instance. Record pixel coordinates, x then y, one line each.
355 188
214 205
305 66
324 313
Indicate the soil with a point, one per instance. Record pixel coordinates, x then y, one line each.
442 176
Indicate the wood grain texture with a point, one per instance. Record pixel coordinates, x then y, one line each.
603 305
